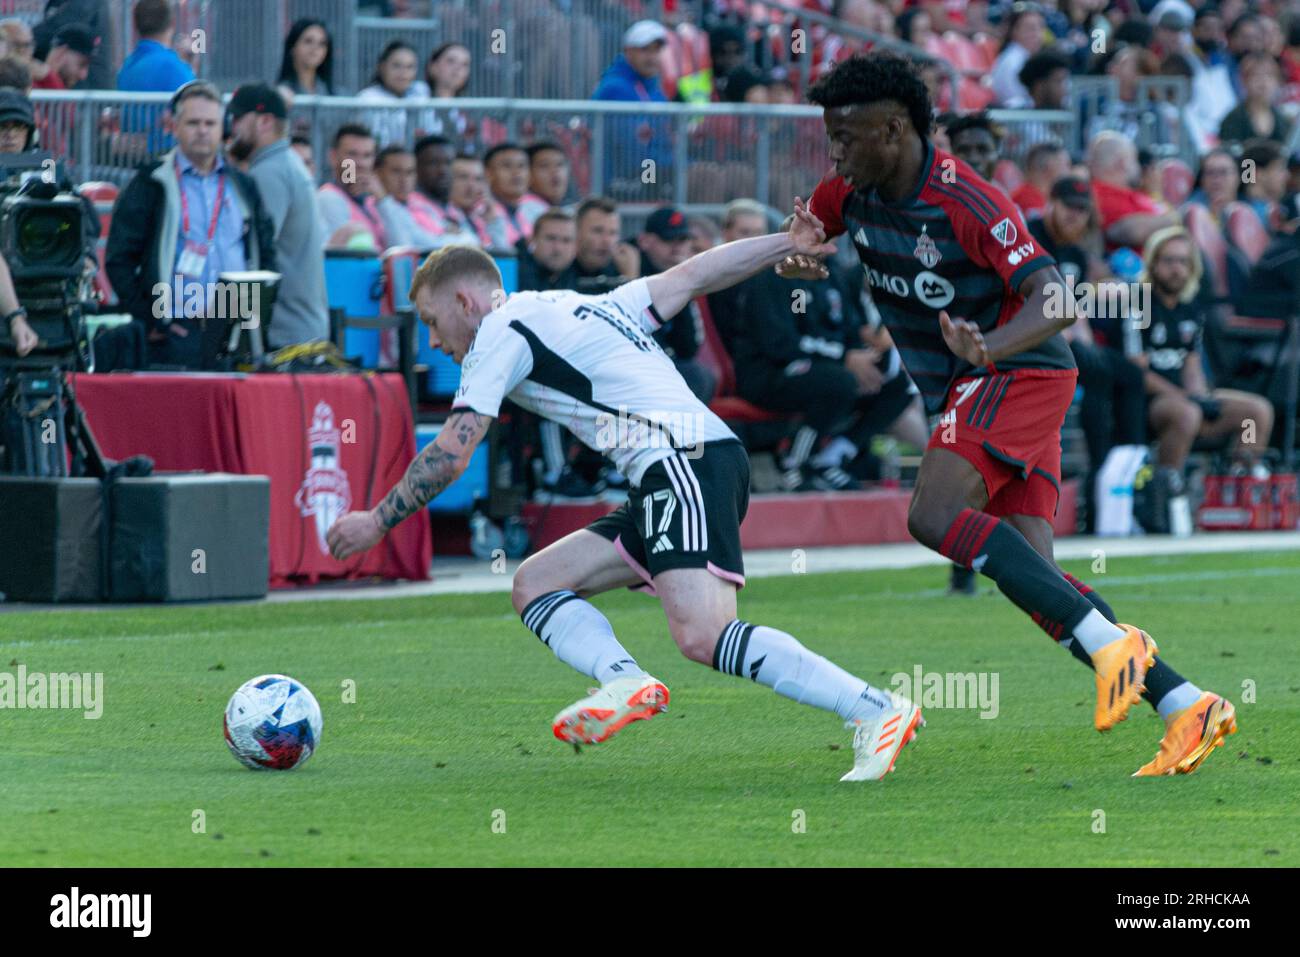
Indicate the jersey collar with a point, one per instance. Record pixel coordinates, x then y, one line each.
927 167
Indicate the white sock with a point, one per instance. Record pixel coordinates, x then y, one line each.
579 635
1095 632
775 659
1183 696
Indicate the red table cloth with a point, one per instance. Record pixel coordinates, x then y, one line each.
329 444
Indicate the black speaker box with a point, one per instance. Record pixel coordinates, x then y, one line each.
49 539
189 537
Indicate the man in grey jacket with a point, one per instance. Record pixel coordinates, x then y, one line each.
259 136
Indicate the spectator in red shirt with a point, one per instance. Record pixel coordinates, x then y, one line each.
1044 165
1128 216
69 59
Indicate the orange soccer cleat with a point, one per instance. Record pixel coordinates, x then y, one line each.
1190 735
1121 668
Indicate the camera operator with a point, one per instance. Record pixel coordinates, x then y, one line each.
184 219
18 135
14 315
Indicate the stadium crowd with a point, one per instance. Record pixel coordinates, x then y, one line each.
1214 241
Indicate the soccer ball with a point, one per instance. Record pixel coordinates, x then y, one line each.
272 722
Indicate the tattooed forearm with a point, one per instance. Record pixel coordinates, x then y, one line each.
431 472
434 468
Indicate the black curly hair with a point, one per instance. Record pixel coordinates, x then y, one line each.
872 77
975 121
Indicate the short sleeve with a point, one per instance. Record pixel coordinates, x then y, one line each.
827 203
1001 241
498 361
633 299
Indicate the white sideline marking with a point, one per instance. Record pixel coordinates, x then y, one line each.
469 575
459 576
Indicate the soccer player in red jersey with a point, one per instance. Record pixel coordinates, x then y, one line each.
962 287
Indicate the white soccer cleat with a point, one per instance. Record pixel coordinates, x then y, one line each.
607 709
876 742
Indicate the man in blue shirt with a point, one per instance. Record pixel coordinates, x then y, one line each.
631 140
153 66
181 222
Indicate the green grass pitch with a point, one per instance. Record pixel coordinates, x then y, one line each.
446 756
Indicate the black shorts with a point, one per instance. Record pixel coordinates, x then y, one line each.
686 513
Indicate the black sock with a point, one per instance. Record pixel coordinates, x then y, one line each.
995 549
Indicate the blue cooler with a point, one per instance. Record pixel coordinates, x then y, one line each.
354 282
458 497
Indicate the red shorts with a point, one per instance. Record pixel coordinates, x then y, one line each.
1008 425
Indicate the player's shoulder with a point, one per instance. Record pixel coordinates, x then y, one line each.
966 196
832 189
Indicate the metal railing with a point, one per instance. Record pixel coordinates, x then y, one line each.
634 152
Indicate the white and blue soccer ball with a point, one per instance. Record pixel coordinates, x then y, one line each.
272 722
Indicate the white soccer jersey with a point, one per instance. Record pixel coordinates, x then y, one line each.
590 364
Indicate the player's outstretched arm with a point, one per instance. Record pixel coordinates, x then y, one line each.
730 263
440 464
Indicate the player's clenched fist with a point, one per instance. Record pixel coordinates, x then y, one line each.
354 532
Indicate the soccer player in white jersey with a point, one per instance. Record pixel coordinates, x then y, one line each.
590 363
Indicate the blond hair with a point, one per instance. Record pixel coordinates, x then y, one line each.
1157 242
452 263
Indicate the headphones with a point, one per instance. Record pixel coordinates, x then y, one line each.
188 90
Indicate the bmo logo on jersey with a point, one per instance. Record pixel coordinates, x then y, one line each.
897 285
933 290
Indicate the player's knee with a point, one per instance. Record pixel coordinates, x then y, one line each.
1188 418
530 582
695 641
1261 411
927 523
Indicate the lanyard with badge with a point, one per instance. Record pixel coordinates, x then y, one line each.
194 256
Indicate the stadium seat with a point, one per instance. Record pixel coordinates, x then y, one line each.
973 96
713 356
1214 247
962 53
988 46
1176 179
1245 231
685 52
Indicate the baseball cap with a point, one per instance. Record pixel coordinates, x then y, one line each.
256 98
1173 15
645 32
668 223
1073 191
76 38
16 108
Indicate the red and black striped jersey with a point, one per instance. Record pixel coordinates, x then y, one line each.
956 243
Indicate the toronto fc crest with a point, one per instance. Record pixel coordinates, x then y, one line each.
324 492
927 251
